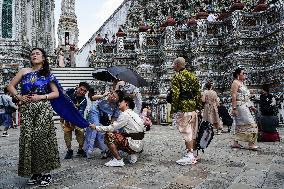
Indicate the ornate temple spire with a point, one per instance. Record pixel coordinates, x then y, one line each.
68 9
68 31
67 28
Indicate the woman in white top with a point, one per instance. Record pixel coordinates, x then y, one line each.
246 128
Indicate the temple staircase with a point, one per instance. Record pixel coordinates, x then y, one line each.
71 77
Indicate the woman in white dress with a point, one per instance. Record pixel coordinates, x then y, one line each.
246 127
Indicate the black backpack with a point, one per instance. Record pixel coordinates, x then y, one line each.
204 136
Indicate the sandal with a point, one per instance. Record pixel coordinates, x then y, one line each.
194 162
197 158
252 148
237 146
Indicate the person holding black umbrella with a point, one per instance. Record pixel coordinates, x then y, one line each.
132 91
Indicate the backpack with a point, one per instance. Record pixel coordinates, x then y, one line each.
204 136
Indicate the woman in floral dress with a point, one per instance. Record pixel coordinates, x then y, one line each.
211 103
38 150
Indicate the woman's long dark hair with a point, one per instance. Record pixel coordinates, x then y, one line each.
237 72
209 85
45 67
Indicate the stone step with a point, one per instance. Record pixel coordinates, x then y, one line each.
75 78
73 69
77 81
56 119
67 74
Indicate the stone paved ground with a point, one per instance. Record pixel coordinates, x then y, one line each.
219 167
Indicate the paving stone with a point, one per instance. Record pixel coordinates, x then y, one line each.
219 167
240 186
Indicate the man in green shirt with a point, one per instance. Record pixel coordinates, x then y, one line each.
186 100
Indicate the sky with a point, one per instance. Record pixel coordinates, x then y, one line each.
91 14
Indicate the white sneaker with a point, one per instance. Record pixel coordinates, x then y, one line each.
132 158
188 159
90 154
115 163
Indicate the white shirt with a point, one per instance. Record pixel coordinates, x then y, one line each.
130 122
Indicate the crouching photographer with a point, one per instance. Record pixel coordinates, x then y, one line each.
130 136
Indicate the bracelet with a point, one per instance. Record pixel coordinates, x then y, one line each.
46 97
15 96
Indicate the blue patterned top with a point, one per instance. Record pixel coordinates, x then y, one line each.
33 83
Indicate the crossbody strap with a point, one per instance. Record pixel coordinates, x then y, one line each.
133 119
135 136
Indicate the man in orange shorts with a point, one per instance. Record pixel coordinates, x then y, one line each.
77 96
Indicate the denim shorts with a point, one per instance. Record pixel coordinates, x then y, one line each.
6 120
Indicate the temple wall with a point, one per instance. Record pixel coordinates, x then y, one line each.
213 49
109 27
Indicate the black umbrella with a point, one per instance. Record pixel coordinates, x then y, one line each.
125 74
122 73
103 75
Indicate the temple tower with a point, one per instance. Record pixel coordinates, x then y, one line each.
68 31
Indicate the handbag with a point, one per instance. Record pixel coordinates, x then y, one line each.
8 109
169 97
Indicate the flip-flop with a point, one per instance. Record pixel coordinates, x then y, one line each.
194 162
197 158
252 149
237 146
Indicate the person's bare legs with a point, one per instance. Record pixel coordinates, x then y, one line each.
114 151
68 139
218 127
189 145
